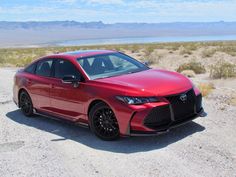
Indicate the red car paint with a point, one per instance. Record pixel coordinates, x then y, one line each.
51 96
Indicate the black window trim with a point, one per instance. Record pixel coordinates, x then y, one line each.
52 73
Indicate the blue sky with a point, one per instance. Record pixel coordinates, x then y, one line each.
112 11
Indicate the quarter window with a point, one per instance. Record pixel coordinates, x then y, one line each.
31 68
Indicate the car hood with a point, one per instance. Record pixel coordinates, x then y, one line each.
149 82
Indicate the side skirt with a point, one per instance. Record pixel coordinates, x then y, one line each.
61 119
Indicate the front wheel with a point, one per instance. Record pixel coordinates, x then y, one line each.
26 104
103 122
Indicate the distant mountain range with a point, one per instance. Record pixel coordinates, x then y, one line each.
49 33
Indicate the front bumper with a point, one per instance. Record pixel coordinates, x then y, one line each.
158 118
166 128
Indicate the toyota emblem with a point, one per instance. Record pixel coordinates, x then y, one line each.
183 97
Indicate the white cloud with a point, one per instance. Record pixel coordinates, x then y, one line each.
105 1
183 10
111 11
64 1
27 10
41 13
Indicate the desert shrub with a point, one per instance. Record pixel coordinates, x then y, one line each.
184 51
149 49
21 56
153 58
208 53
188 73
233 100
2 60
173 46
222 69
230 50
197 67
27 61
188 48
205 88
134 48
192 46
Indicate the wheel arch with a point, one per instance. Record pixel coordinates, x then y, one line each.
93 103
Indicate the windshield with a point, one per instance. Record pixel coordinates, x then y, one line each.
108 65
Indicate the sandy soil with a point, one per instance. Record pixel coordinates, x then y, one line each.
42 147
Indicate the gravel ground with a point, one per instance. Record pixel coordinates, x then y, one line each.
35 147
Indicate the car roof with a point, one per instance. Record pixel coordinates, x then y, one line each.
86 53
73 55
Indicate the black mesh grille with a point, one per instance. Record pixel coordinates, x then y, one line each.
158 116
182 108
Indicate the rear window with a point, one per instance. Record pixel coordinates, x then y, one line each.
44 68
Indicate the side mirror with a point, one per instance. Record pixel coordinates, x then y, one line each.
71 79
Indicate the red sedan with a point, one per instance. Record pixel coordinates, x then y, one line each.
108 91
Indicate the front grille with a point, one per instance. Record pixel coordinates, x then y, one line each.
177 111
158 116
182 108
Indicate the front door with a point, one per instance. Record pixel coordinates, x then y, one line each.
66 100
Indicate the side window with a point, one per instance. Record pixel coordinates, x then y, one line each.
31 68
64 67
44 68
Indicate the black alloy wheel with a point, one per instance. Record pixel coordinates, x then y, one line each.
103 122
26 104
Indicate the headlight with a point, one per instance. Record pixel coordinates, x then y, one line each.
137 100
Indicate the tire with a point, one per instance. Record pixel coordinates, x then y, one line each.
103 122
26 104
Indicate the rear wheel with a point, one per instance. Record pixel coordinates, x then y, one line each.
103 122
26 104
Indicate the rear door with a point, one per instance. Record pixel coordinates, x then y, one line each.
66 100
40 85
